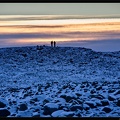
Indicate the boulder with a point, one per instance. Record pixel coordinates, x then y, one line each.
91 104
107 109
78 113
2 105
118 103
67 114
98 87
105 102
57 113
4 113
117 92
98 96
50 108
86 107
69 97
111 97
75 107
23 107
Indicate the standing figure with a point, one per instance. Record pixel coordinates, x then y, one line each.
51 43
54 44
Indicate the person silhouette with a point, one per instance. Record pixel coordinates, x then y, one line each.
54 44
51 43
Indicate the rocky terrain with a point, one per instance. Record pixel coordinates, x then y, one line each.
41 81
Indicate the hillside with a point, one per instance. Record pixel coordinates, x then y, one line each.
63 74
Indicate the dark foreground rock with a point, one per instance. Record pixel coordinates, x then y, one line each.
23 107
107 109
2 105
4 113
50 108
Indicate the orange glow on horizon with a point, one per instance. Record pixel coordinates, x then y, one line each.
60 31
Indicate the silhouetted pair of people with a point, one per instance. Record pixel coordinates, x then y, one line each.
53 44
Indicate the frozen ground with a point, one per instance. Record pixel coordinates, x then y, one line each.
59 82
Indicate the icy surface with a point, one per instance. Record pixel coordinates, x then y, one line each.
59 82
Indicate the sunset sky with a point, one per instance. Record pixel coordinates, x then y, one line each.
86 28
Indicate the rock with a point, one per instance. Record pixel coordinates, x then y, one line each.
68 97
86 107
50 108
4 113
117 92
67 114
23 107
57 113
97 96
78 113
78 94
118 103
75 107
2 105
91 104
107 109
93 91
46 100
82 86
36 114
94 83
79 101
111 90
105 102
26 113
111 97
99 88
74 102
59 100
97 101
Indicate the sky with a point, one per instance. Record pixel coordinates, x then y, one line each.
91 25
59 8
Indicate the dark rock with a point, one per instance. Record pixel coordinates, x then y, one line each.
57 113
75 107
107 109
118 103
69 97
49 108
105 102
67 114
36 114
82 86
4 113
79 101
2 105
117 92
94 83
111 98
78 113
74 102
93 91
86 107
99 88
97 96
23 107
65 86
85 90
46 100
91 104
78 94
111 90
97 101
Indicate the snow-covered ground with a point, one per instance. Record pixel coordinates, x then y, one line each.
59 82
